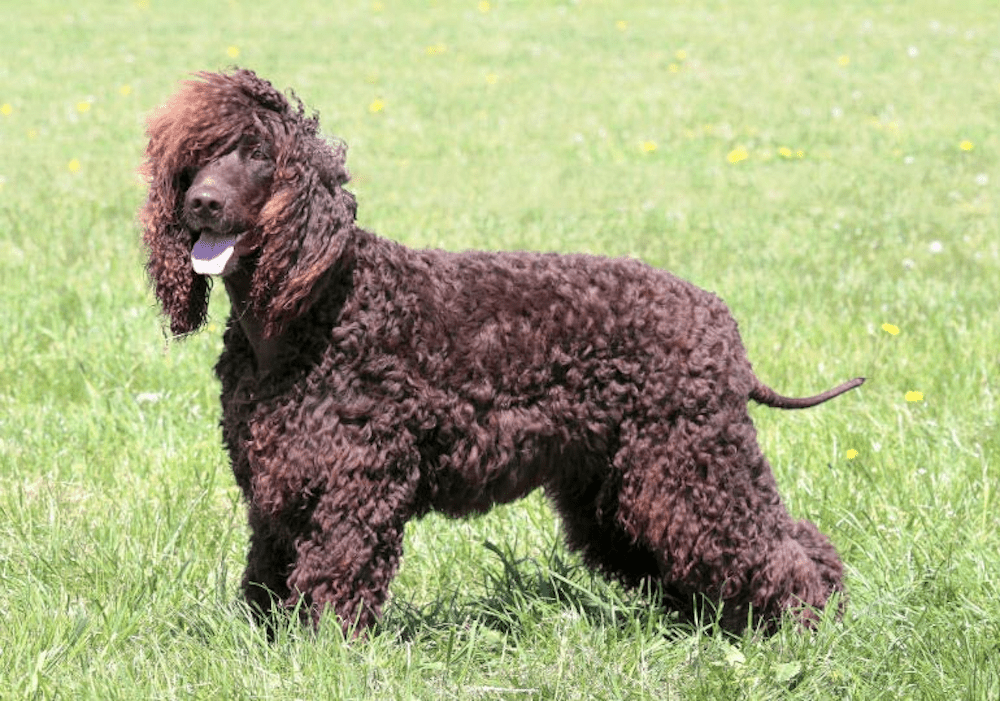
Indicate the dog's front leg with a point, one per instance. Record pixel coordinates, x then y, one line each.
350 549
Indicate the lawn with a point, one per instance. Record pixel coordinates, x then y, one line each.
830 171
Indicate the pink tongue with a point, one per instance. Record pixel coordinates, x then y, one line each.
211 252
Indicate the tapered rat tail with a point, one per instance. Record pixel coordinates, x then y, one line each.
763 394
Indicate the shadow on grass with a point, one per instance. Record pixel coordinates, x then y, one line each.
523 593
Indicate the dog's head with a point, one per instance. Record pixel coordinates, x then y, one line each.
240 179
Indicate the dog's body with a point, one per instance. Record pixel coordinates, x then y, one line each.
365 383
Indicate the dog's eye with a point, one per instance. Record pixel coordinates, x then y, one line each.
184 179
255 149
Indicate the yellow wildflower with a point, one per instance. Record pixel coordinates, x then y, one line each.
648 146
680 54
73 166
232 51
376 106
912 396
82 106
785 152
492 78
622 25
484 6
6 110
737 154
843 60
436 49
890 329
125 90
851 454
966 145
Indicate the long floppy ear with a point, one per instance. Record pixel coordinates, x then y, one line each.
194 124
183 294
304 228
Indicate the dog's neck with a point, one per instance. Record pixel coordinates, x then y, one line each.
268 352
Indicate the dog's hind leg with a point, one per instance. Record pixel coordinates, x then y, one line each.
588 505
700 494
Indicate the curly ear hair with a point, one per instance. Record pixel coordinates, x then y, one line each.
303 228
297 229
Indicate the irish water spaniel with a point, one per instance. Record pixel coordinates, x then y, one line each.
365 383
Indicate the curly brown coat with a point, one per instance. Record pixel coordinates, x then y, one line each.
365 383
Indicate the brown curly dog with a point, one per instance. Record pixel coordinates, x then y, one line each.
365 383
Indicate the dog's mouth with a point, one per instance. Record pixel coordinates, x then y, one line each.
214 254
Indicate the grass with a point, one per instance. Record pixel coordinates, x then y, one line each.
826 170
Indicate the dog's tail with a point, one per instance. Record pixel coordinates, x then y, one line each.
763 394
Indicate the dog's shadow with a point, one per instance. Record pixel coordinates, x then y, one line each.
520 593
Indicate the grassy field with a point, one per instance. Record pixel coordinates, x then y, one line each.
831 172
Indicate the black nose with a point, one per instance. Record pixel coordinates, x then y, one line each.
204 202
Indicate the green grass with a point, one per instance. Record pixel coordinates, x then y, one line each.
576 126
